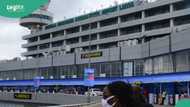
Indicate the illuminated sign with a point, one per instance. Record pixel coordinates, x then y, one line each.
138 83
91 55
89 77
23 96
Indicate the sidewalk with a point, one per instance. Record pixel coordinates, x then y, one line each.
99 105
162 106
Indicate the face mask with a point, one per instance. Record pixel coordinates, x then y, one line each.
105 102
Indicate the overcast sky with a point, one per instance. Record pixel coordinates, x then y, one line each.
11 32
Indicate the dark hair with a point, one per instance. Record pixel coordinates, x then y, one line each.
124 92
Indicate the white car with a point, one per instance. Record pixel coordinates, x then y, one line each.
94 92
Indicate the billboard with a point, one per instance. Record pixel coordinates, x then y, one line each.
89 77
128 69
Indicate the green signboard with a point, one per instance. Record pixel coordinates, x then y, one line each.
19 8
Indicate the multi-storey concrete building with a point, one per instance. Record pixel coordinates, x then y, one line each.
126 40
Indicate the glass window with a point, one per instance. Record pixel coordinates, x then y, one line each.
182 61
130 17
148 66
138 67
130 30
108 22
182 20
157 11
157 25
181 5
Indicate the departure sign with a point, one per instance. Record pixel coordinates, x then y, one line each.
23 96
36 82
89 77
91 55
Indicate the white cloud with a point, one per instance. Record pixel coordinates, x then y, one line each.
11 40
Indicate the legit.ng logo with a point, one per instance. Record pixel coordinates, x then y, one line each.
19 8
15 8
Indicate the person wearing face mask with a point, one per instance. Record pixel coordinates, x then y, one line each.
118 94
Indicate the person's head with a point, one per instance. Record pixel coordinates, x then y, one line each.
137 90
118 92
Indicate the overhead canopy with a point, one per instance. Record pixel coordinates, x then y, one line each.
160 78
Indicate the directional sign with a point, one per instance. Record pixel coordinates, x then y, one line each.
89 77
36 82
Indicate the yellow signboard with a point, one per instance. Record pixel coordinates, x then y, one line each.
23 96
91 55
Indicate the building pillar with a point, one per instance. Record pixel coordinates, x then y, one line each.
51 35
98 36
118 33
143 25
38 38
119 19
64 32
80 39
98 25
80 28
171 20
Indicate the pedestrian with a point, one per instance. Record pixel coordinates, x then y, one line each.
137 92
119 94
163 96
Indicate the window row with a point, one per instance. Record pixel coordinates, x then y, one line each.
178 62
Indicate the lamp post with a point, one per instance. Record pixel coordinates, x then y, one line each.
51 54
89 66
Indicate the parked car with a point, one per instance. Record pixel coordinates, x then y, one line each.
94 92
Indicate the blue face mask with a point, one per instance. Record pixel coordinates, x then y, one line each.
105 102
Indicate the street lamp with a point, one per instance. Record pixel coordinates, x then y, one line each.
89 65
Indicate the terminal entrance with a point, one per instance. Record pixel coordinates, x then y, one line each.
166 93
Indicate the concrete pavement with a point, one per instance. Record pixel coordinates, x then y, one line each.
99 105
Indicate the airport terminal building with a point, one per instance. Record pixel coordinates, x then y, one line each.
146 42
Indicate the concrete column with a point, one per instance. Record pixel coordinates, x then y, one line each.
171 25
143 25
50 45
80 39
98 25
51 35
98 47
38 47
143 28
171 20
118 33
64 32
119 19
171 8
38 38
80 28
143 14
98 36
64 42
